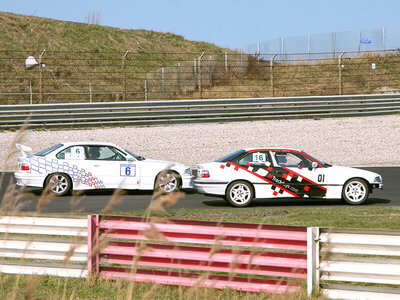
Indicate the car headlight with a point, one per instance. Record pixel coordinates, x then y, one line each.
188 171
378 179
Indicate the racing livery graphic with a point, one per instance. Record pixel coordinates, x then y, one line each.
282 173
43 166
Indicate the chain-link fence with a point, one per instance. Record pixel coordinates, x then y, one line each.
63 77
332 43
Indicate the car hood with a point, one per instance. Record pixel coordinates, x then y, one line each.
165 163
350 172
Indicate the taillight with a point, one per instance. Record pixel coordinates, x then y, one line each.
24 168
205 174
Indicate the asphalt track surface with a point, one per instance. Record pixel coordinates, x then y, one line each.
96 201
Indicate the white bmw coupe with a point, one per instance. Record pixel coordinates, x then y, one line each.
275 173
95 165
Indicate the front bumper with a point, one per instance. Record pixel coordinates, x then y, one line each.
187 182
377 186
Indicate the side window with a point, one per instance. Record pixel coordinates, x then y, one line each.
255 158
105 153
72 153
291 159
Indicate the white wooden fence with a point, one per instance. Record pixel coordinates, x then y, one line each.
343 263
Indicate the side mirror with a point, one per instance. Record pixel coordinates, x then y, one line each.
314 165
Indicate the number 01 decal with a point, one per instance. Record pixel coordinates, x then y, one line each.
321 178
128 170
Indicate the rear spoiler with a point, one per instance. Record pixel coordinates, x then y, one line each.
25 150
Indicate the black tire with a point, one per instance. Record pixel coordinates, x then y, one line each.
59 184
239 193
355 191
167 182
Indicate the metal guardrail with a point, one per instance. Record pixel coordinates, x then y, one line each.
42 245
342 263
194 111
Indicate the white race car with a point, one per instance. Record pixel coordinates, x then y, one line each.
275 173
93 165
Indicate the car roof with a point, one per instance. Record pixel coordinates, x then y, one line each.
89 143
273 149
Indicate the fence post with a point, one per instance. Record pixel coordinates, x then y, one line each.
93 244
271 69
178 77
30 91
145 90
312 259
226 62
195 73
340 74
309 46
41 77
383 40
90 92
163 81
124 71
201 77
241 63
211 71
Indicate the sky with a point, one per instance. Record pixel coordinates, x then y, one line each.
227 23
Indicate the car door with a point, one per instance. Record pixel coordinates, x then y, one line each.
73 161
112 167
297 173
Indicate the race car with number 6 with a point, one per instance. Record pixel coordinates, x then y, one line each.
96 165
281 173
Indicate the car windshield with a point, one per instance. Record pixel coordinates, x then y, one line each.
317 160
134 155
230 156
48 150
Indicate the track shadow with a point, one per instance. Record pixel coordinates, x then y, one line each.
219 202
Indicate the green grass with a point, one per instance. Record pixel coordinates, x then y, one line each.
50 287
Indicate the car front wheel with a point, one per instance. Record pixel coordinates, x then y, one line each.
167 182
355 191
59 184
239 193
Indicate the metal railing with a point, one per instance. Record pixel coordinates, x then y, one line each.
361 263
194 111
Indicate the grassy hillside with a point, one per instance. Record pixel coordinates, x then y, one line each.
19 32
85 62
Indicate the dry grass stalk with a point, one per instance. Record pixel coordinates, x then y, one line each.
46 197
114 200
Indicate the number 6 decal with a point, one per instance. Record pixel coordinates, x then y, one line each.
128 170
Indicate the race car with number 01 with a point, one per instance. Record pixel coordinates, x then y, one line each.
281 173
94 165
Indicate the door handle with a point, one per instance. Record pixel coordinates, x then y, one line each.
96 165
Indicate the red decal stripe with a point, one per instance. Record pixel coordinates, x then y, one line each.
309 180
265 179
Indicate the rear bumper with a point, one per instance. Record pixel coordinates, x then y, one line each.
187 182
210 187
29 179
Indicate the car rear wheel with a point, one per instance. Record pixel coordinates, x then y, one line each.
355 191
59 184
239 193
168 182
